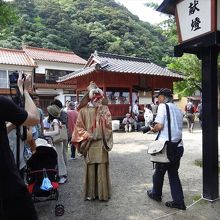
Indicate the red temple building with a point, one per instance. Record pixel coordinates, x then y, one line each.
123 79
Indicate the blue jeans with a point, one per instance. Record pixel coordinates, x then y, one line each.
175 184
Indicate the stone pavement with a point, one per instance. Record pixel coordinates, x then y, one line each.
131 175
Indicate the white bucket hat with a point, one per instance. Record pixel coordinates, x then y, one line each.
42 142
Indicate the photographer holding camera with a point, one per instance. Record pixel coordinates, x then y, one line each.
161 126
15 201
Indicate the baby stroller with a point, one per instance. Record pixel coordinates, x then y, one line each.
43 164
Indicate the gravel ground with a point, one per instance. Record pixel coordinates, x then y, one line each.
131 175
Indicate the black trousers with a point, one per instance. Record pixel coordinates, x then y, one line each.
18 207
173 175
72 148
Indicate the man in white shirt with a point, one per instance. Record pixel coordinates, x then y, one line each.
161 126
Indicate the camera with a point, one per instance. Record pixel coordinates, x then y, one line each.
145 129
13 78
17 97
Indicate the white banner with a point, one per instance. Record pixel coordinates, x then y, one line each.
194 18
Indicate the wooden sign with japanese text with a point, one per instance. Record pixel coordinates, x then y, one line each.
196 18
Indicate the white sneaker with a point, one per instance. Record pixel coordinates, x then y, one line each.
79 155
62 180
72 158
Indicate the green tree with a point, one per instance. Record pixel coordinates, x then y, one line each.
190 66
84 26
7 15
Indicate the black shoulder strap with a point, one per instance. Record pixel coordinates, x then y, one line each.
168 119
169 127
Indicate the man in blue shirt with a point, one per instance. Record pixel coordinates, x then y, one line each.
161 125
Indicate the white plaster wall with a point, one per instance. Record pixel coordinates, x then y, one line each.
56 92
60 96
26 69
43 65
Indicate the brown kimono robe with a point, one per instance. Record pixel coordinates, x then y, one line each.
96 122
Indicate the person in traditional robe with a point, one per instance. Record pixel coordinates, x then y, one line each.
94 129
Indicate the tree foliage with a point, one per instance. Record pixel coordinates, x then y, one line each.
84 26
7 17
190 66
104 25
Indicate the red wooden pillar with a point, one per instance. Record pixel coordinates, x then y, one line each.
152 95
152 91
77 96
103 83
130 90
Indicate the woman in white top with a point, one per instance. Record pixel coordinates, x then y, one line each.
54 114
148 115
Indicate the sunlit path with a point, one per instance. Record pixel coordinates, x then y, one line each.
131 173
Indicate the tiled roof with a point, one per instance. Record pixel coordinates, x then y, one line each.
53 86
15 57
84 71
121 64
53 55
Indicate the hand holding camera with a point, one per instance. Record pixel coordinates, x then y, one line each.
24 82
145 129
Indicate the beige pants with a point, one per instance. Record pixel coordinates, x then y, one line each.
97 181
65 149
62 171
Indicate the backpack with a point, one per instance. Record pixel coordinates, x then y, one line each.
63 117
190 108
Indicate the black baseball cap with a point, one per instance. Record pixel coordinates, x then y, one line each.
166 92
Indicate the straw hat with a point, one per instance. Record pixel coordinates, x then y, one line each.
54 111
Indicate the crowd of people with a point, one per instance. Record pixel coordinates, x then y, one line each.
21 128
131 121
88 129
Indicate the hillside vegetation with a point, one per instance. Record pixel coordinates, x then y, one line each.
83 26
